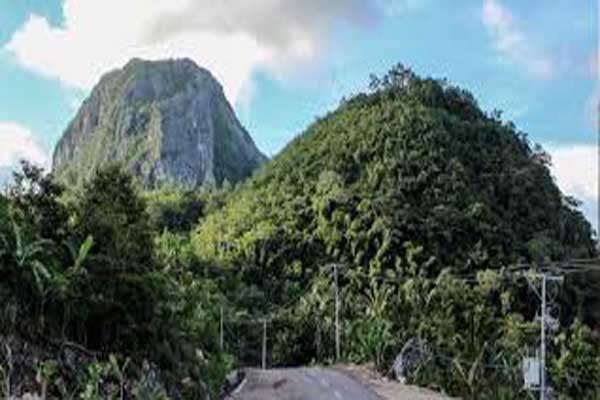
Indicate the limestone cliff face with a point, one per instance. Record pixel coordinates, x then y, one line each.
167 121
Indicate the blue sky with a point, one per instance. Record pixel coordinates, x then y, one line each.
282 63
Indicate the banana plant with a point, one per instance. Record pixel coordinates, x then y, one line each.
470 375
25 263
26 257
65 282
79 256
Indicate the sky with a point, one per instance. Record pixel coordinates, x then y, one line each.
283 63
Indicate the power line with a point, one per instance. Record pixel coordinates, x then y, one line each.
545 272
525 270
271 316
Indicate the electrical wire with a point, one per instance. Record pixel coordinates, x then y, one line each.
523 270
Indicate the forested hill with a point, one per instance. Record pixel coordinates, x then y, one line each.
412 170
425 202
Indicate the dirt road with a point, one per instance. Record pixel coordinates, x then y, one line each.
339 383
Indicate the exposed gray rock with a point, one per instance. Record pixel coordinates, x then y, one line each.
167 121
413 352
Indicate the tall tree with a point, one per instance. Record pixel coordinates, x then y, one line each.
120 293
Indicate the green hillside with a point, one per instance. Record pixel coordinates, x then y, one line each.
412 163
424 200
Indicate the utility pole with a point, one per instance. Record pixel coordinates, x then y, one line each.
264 345
337 314
545 278
221 333
543 340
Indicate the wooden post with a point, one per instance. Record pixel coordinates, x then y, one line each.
221 333
337 315
264 345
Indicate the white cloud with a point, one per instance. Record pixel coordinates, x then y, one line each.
576 170
17 143
511 42
230 37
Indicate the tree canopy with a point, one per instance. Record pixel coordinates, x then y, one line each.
412 163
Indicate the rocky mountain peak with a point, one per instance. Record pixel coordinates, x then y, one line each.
167 121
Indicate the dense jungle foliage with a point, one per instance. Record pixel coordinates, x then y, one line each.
414 164
423 200
81 282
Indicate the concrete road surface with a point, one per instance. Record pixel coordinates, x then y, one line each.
388 389
347 382
301 384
